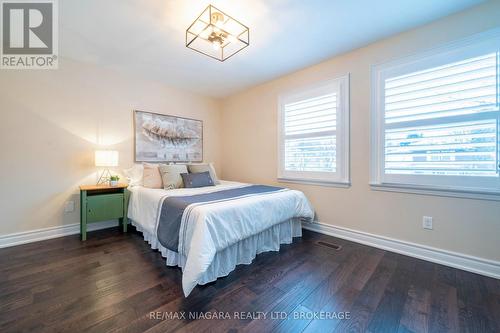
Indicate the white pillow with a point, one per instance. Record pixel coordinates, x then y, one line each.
134 175
151 177
171 175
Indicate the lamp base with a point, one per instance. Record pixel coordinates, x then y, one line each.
104 178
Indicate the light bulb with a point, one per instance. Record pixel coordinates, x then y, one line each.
216 45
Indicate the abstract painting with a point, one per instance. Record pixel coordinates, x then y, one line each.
164 138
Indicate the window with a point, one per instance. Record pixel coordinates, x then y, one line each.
436 119
314 134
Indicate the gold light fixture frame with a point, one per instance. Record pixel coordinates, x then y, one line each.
214 28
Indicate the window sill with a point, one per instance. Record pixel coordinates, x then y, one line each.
315 182
437 191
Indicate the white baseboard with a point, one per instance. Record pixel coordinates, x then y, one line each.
453 259
52 232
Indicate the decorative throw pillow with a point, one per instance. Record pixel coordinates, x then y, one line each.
199 179
134 175
151 176
171 175
203 167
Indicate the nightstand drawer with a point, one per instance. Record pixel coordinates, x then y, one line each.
104 207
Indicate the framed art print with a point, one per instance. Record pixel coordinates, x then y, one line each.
165 138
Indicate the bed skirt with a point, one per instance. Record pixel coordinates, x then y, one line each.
243 252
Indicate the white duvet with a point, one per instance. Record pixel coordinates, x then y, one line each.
212 227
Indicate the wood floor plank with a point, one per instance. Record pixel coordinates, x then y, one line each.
338 309
296 286
369 298
387 316
356 271
416 310
444 309
474 313
296 322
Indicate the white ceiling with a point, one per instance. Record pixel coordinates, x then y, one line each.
148 37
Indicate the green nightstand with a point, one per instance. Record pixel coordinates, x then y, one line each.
101 203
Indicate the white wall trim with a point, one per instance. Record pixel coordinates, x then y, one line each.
313 182
436 191
465 262
51 232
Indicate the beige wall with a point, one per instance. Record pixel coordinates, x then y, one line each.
51 122
250 154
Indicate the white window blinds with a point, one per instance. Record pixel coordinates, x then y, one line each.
443 121
313 126
436 119
310 127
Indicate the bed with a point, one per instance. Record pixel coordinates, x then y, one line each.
217 227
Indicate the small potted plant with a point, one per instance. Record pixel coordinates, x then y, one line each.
113 180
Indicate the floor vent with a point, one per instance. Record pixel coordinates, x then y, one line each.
330 245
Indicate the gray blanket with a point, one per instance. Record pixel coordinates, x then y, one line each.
172 209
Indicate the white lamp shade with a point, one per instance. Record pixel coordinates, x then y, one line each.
106 158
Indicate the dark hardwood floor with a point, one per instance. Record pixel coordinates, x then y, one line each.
115 282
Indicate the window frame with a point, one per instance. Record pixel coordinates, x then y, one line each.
470 187
340 178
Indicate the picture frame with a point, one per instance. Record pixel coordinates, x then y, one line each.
167 138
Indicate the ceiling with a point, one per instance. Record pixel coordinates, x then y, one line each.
147 38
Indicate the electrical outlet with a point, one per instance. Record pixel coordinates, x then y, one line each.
427 222
69 206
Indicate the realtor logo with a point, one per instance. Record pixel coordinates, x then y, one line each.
29 34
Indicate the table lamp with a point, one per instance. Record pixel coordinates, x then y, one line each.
105 159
